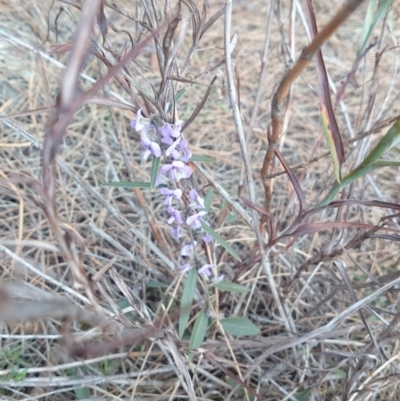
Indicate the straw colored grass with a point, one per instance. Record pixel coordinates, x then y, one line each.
323 350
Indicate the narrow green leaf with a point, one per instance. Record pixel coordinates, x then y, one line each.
208 199
220 240
232 287
371 162
121 184
204 159
355 175
367 28
155 284
371 20
155 168
82 393
303 395
239 326
390 139
199 330
187 299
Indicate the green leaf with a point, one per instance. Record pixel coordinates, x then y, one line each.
371 19
82 393
155 284
124 303
204 159
208 199
370 163
187 299
368 26
239 326
303 395
199 330
155 168
390 139
220 240
231 287
121 184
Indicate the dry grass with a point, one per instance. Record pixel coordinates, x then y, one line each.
93 327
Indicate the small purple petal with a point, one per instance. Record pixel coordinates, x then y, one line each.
175 216
185 268
155 149
136 122
198 200
177 170
176 232
146 154
206 269
188 249
187 154
207 238
169 194
196 219
176 131
166 133
171 149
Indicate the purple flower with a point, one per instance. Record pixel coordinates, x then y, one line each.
140 122
183 153
197 201
206 269
176 232
185 268
171 151
151 148
188 249
196 219
177 170
207 238
170 194
175 216
168 132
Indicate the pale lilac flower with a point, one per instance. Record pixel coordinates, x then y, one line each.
166 134
175 216
182 153
188 249
207 238
170 194
140 122
176 232
185 268
220 278
197 200
177 170
151 147
171 151
185 153
196 219
206 269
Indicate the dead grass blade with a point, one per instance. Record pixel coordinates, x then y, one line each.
293 180
19 303
198 108
331 128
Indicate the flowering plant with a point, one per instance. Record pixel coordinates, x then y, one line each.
184 206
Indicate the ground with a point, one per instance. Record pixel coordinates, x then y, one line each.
92 292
